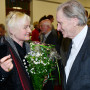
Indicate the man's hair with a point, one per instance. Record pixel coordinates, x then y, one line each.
49 17
42 18
73 9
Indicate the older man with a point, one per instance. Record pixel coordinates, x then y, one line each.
47 35
49 38
72 22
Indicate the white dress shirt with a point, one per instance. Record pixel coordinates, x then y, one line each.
76 46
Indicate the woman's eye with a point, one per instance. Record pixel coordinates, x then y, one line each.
28 26
25 27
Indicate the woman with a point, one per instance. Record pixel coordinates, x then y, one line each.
13 70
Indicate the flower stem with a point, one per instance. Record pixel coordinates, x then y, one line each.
58 72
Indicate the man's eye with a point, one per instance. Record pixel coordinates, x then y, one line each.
60 23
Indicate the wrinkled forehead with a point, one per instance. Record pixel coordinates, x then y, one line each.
45 22
59 13
23 21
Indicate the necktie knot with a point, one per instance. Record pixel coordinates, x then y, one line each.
42 38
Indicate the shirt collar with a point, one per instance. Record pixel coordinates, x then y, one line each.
81 36
46 35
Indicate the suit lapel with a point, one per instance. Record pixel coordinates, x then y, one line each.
76 65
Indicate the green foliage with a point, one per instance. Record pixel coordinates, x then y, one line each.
41 64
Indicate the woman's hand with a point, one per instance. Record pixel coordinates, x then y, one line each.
6 63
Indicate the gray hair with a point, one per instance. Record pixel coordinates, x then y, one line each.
12 20
73 9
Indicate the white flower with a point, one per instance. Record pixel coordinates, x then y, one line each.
32 69
45 58
36 62
36 59
32 59
38 54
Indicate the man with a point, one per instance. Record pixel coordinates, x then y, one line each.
72 22
47 35
51 18
49 38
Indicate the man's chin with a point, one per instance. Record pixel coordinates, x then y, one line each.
64 36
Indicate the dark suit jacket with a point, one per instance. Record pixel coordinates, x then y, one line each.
79 77
11 79
53 39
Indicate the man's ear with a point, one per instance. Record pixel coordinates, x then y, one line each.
75 21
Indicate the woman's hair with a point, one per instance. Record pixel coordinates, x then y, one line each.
13 18
73 9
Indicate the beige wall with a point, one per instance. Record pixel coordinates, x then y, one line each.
41 8
2 11
86 4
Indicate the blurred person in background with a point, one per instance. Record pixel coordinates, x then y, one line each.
2 33
51 18
48 37
35 32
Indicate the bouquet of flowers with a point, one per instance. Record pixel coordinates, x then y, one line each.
41 59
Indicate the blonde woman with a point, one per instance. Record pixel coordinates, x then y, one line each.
13 70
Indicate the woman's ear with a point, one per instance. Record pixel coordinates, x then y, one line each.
11 31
